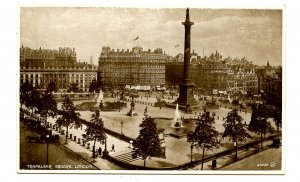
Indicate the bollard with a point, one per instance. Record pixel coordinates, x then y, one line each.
70 136
78 141
88 146
74 138
83 143
214 164
247 147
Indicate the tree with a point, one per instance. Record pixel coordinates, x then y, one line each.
25 90
35 99
205 134
259 123
51 87
93 86
48 105
95 130
147 143
234 129
73 87
68 118
278 118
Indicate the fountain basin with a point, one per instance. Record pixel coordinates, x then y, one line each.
107 106
87 106
172 130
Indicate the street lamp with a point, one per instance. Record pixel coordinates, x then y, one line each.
204 145
47 138
192 147
122 127
105 152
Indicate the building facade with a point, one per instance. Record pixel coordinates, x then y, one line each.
42 66
135 67
270 84
214 73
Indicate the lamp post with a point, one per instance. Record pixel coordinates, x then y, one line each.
47 138
122 127
105 152
192 147
192 153
204 145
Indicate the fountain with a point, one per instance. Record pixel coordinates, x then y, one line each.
229 99
177 122
175 127
91 105
99 98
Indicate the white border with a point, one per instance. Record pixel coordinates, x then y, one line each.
282 171
8 96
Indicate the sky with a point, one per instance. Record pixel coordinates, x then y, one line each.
253 33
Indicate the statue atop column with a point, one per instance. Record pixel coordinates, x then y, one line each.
186 98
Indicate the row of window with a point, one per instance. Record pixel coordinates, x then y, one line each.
118 75
135 81
57 75
149 59
140 66
58 79
60 85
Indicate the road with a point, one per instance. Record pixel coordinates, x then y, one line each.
33 155
269 159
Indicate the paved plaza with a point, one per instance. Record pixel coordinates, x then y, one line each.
177 150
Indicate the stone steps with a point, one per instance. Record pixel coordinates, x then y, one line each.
126 157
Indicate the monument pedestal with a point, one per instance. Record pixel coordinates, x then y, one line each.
186 100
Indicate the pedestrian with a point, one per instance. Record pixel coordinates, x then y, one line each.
100 151
113 148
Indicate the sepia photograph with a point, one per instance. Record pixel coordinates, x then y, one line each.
151 90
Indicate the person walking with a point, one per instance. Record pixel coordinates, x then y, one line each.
113 148
100 151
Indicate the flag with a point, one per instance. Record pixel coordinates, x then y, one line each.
177 45
136 38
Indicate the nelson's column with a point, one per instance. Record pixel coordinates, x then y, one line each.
186 100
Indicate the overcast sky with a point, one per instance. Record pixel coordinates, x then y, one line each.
255 34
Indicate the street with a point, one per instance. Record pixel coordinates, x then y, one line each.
33 155
269 159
